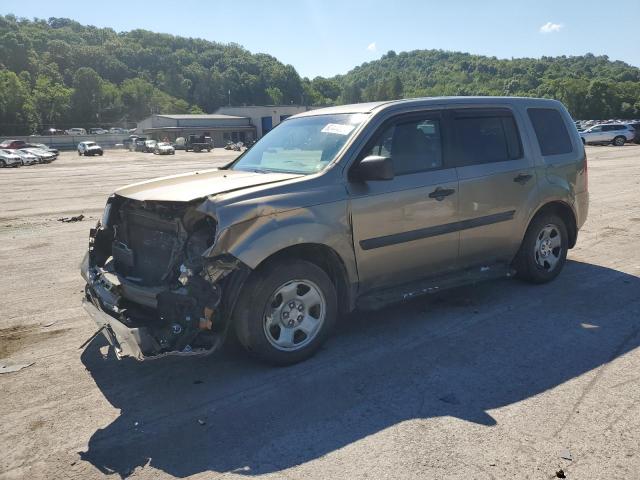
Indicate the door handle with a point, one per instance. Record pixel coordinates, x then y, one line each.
439 193
522 178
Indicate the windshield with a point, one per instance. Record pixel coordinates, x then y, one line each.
90 144
300 145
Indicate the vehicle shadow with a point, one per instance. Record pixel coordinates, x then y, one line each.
459 354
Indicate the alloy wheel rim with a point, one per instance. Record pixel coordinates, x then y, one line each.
294 315
548 247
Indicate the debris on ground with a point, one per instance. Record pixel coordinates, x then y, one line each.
201 422
77 218
13 367
48 323
560 474
566 454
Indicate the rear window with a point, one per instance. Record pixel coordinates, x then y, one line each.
553 136
484 136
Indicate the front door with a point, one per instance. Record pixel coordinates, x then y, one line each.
400 225
497 184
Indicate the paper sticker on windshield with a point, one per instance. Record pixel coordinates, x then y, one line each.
338 128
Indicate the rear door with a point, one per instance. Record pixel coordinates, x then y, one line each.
497 184
402 227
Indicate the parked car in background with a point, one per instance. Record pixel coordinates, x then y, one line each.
42 146
98 131
164 148
26 157
149 146
89 148
138 144
636 127
355 206
53 131
76 131
179 143
608 133
198 143
43 156
118 131
13 144
9 159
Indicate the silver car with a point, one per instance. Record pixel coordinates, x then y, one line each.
164 148
27 158
608 133
9 159
43 156
356 206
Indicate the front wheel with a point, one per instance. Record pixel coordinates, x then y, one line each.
619 141
286 311
3 164
543 252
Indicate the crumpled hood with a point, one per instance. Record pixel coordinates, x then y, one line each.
191 186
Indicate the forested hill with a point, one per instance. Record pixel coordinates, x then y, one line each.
60 73
590 86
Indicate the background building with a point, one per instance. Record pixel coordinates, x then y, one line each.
219 127
264 118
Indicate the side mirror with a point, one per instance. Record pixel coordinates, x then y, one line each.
373 167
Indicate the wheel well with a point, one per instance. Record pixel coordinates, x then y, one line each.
565 212
324 257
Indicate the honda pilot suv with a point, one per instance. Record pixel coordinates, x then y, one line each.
347 207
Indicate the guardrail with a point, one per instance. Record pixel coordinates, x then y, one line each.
70 142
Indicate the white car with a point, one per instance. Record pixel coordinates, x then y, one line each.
76 131
608 133
26 157
164 148
89 148
9 159
43 156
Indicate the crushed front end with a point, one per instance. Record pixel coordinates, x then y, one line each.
151 287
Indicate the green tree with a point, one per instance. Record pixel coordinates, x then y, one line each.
52 101
275 95
17 111
87 95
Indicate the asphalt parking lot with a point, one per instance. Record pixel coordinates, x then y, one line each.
498 380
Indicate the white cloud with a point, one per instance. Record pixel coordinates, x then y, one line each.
551 27
372 47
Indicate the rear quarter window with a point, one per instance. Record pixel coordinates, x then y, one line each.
551 131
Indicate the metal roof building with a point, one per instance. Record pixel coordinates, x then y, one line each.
219 127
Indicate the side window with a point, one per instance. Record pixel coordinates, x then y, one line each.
414 145
484 136
553 136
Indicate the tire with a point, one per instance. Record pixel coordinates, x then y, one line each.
541 258
79 153
619 141
3 164
101 153
264 316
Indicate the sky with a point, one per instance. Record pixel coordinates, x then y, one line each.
329 37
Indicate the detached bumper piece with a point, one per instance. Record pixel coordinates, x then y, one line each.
158 324
126 342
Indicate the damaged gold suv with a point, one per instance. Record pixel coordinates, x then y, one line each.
348 207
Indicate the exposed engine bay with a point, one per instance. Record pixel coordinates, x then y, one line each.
151 285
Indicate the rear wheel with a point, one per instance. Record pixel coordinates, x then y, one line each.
3 164
543 252
79 153
619 141
286 311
